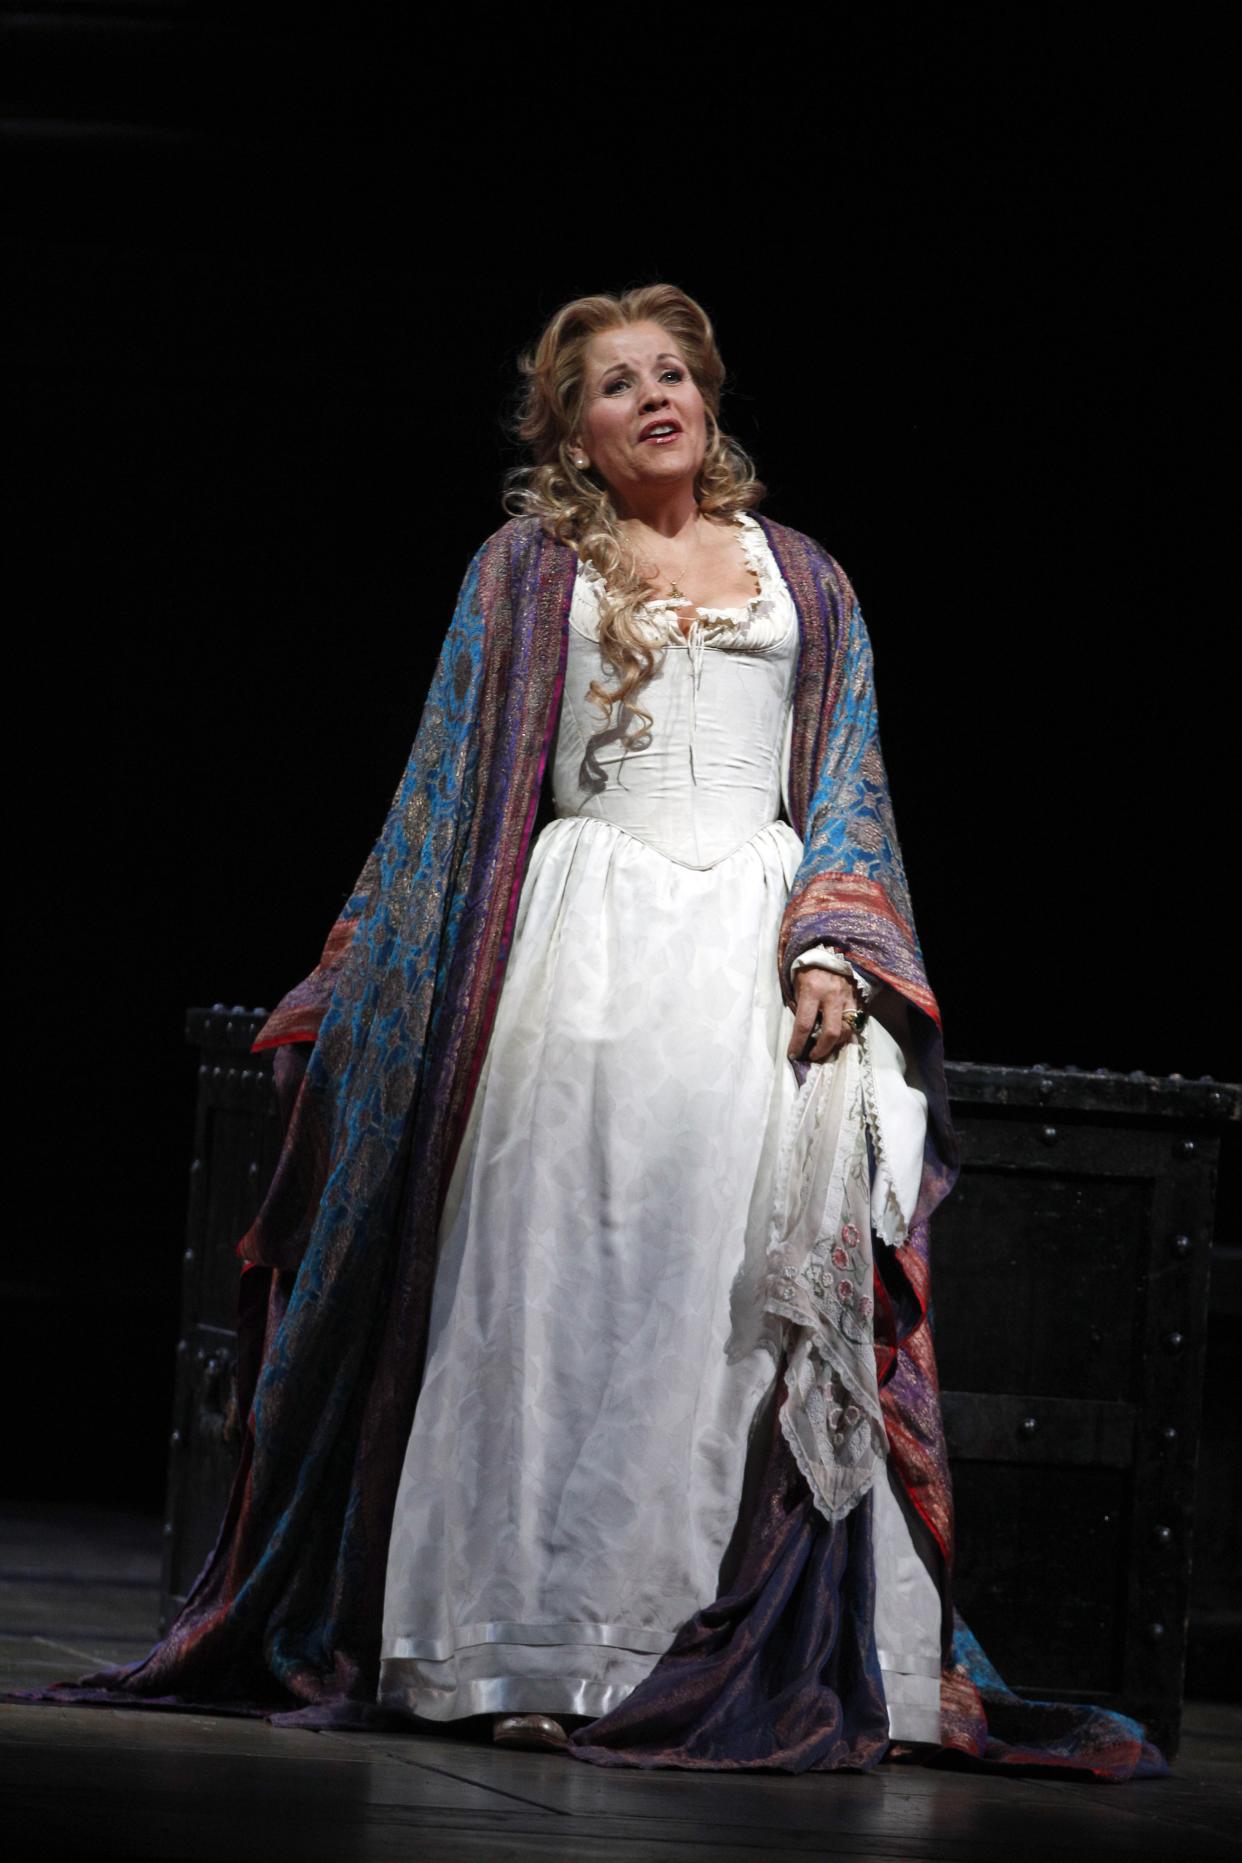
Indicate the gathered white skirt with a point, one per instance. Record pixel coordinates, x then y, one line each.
599 1362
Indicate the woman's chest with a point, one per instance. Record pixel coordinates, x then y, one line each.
717 577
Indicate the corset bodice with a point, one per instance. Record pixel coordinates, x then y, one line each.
713 769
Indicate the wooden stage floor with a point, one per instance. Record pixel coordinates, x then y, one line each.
79 1589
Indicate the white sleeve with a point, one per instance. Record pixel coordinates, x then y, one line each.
826 957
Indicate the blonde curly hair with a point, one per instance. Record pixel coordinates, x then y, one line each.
574 504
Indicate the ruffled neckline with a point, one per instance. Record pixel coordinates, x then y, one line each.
756 557
726 626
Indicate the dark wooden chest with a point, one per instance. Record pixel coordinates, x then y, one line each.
236 1145
1071 1275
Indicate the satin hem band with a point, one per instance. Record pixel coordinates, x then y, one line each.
900 1663
911 1696
470 1636
907 1723
402 1687
910 1691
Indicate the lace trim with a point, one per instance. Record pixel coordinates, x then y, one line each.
764 621
888 1218
752 540
819 1281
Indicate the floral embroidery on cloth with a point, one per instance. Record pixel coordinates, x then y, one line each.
819 1280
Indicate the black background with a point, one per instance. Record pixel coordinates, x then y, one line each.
267 278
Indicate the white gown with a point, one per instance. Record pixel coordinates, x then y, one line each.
600 1361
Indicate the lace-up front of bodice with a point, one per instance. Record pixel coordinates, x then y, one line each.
711 771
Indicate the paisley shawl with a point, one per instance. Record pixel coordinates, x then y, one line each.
377 1057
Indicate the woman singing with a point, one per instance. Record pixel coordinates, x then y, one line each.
606 1325
584 1327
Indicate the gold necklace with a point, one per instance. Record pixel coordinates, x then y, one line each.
675 593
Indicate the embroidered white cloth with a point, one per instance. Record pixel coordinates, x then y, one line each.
602 1344
896 1104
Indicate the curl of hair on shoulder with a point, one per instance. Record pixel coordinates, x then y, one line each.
575 506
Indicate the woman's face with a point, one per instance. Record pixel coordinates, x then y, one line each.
636 379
